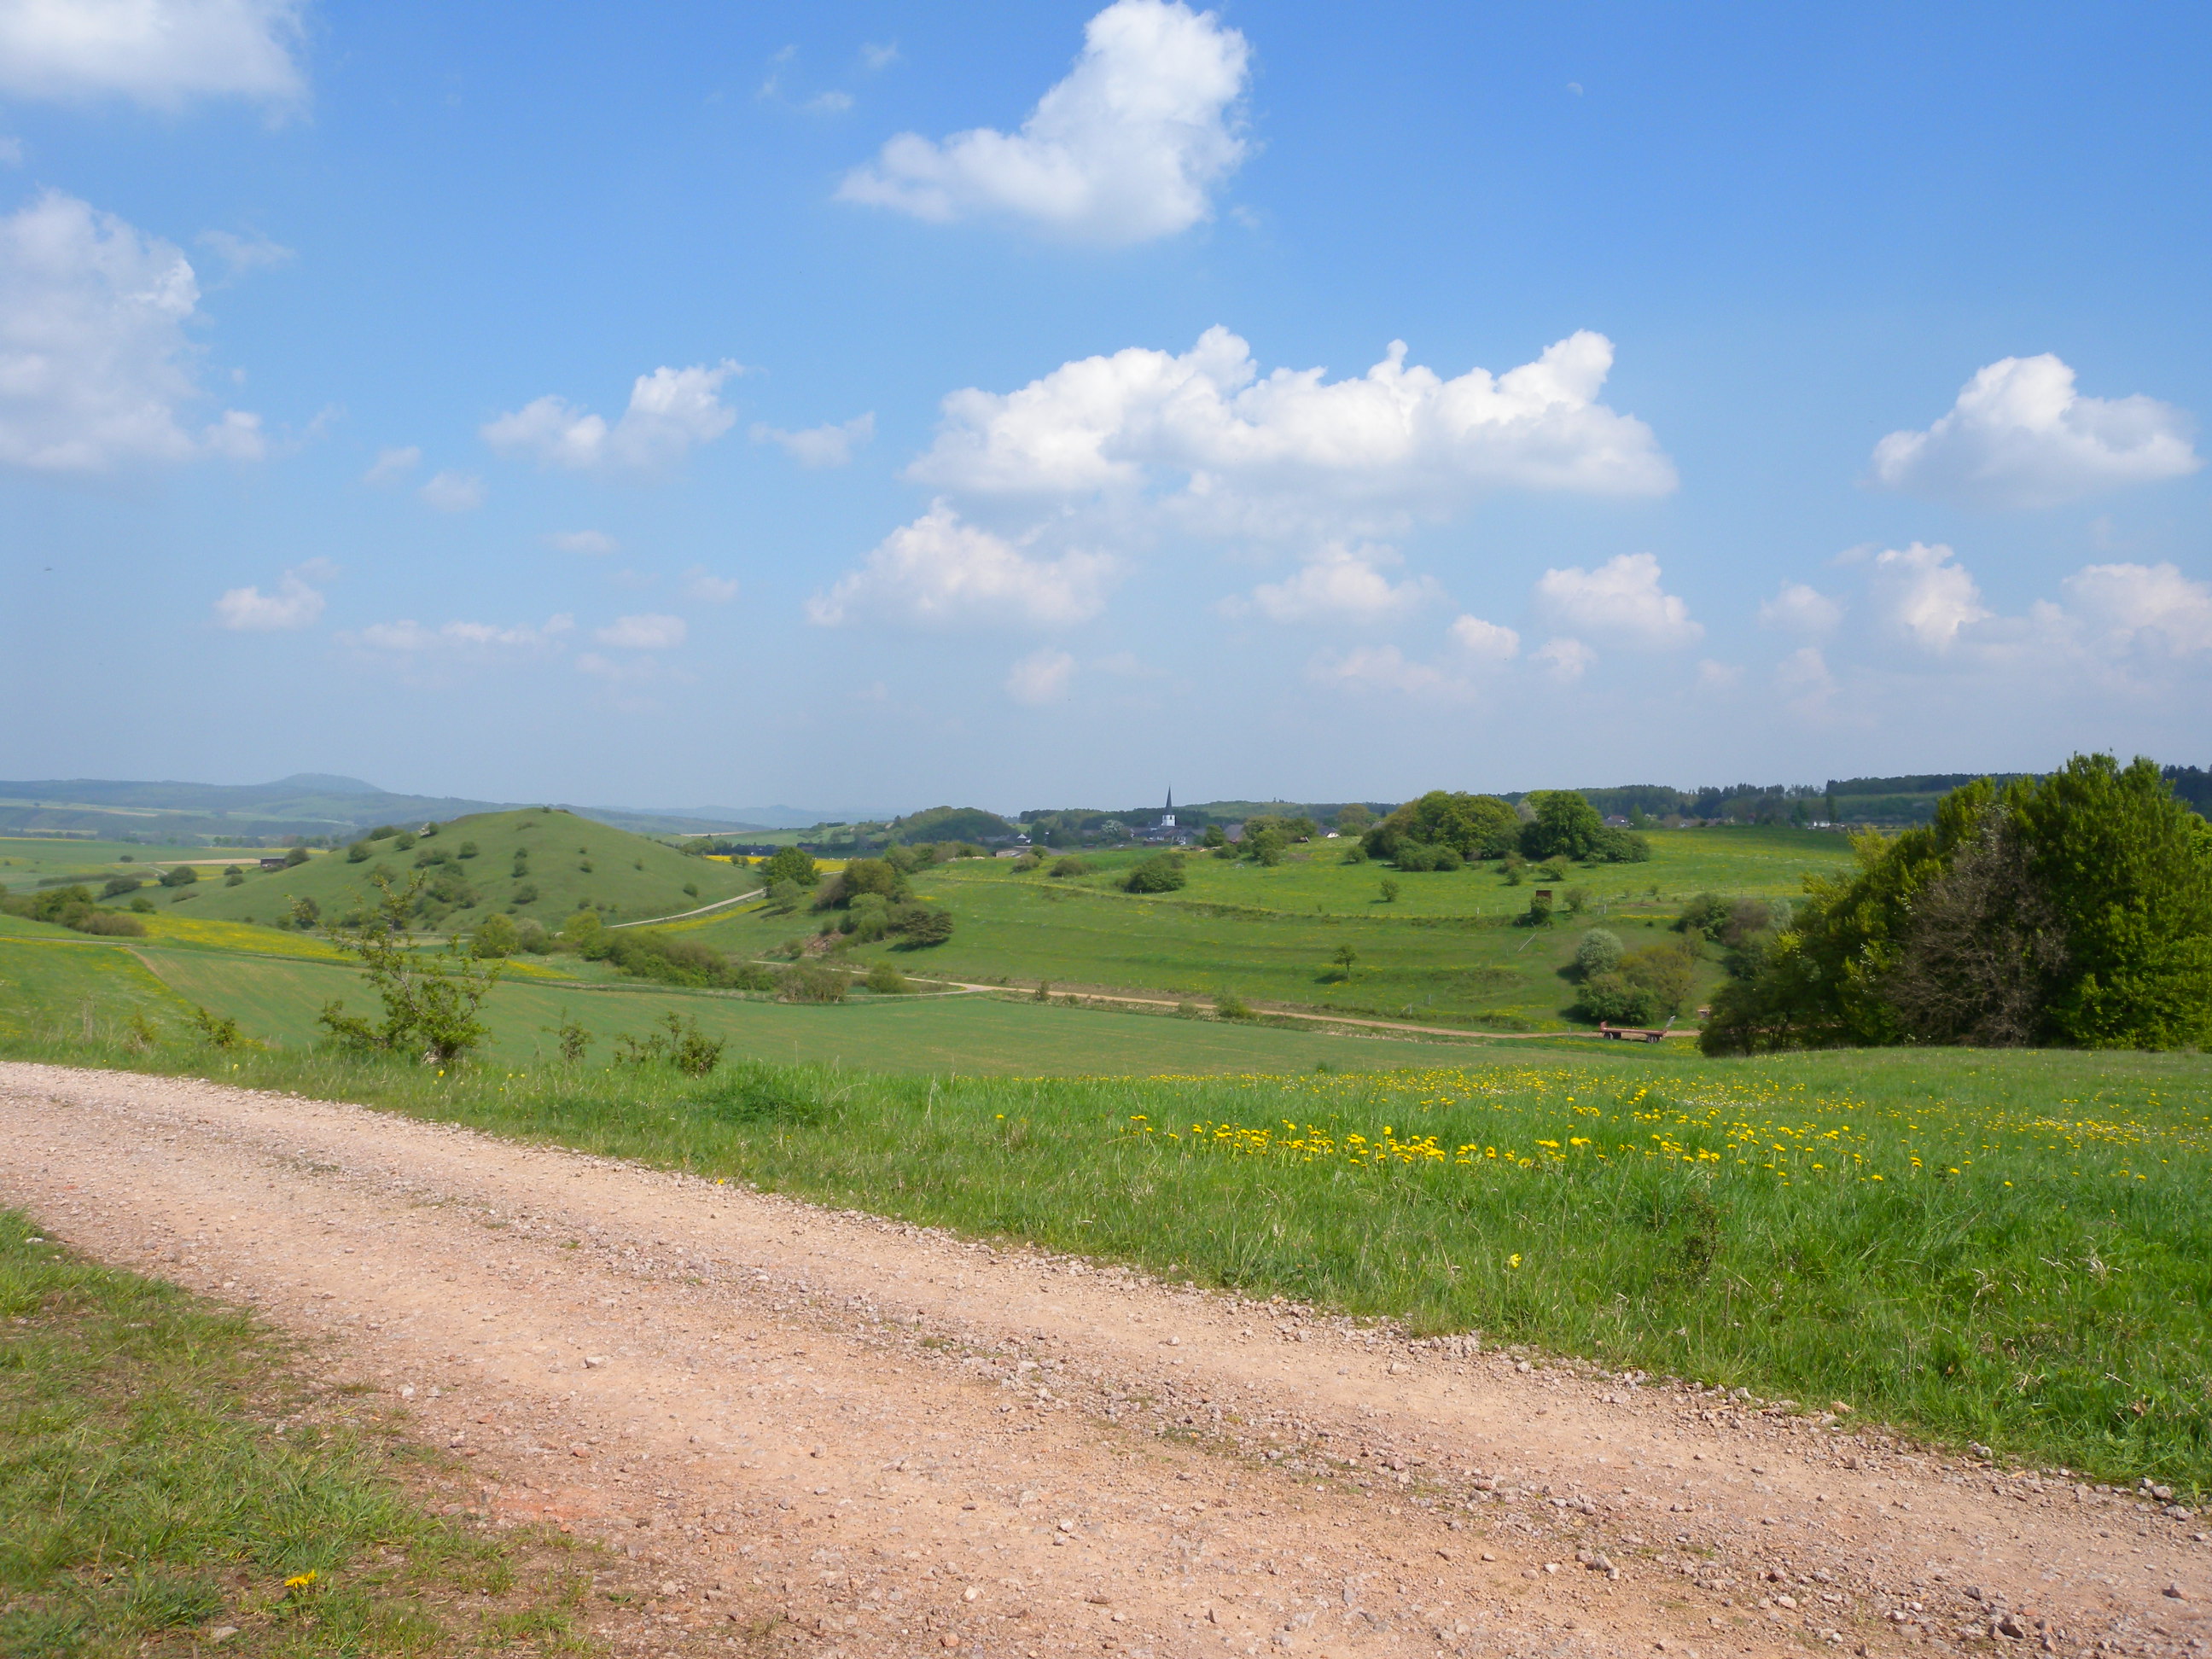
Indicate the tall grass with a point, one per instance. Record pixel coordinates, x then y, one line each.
2012 1249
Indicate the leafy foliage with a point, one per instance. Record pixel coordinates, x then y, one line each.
430 999
2070 910
1161 873
1472 826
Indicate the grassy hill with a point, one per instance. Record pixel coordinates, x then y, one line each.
566 862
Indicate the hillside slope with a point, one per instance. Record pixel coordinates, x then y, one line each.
526 862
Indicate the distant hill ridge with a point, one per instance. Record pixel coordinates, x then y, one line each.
313 803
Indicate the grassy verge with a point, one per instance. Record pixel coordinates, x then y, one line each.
168 1480
2014 1248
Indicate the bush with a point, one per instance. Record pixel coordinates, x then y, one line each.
1474 826
920 927
496 936
295 858
1069 866
72 906
1390 889
1161 873
885 980
1355 854
180 875
526 894
1538 915
111 923
645 953
304 913
117 886
468 849
1598 951
141 905
1027 862
1229 1006
233 877
583 932
811 982
1613 846
1706 915
384 832
684 1047
403 842
358 852
784 895
1411 856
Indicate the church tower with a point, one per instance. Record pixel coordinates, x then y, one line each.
1167 818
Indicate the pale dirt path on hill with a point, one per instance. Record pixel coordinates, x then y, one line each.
902 1442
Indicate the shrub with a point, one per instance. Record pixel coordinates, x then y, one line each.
574 1041
304 913
1647 987
920 926
1027 862
691 889
295 858
521 866
1229 1006
384 832
1706 915
117 886
526 894
220 1031
1411 856
1613 846
111 923
1598 951
180 875
234 878
1577 900
430 1002
496 936
531 936
403 842
1390 889
142 906
648 954
358 852
583 933
684 1047
468 849
1069 866
885 980
1538 915
785 895
1161 873
811 982
1355 854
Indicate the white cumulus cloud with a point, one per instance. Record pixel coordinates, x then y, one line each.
1621 599
941 569
1798 608
1340 584
248 610
1040 678
1488 641
244 253
93 354
2124 607
671 411
1920 594
1803 682
821 446
1129 146
159 53
2020 435
1565 658
1400 435
643 633
454 492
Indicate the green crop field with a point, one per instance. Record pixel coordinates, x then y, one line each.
27 859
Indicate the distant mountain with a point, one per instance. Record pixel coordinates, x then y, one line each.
747 817
306 803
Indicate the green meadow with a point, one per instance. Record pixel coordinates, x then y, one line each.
1445 949
2011 1248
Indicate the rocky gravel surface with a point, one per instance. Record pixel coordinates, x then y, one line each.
823 1429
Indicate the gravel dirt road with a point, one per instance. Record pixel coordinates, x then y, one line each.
859 1437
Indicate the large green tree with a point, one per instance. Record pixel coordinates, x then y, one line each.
1473 826
2070 910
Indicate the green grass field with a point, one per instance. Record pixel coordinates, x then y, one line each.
51 980
1445 951
146 1509
2014 1248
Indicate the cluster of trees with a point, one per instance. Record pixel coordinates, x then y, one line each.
1445 830
877 903
73 907
1621 987
2073 909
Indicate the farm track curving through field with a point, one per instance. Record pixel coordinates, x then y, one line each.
894 1441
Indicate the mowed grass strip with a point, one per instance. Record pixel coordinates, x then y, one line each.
2010 1248
167 1477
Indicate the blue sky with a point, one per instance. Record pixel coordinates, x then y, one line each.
1038 405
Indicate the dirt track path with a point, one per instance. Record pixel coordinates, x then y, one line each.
901 1442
